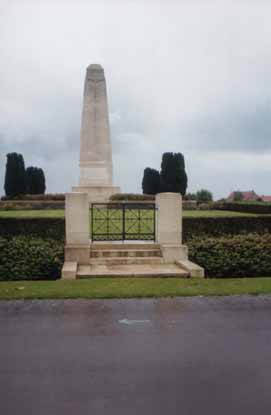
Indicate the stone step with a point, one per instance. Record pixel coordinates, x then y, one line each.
124 245
194 269
126 260
136 271
120 253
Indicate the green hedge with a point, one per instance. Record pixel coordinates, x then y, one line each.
31 205
40 227
131 196
218 226
38 197
192 226
33 258
239 256
245 207
23 258
127 197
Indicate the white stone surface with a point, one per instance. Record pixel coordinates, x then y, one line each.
194 270
69 270
97 194
174 252
169 218
95 175
77 218
78 253
169 227
95 145
169 233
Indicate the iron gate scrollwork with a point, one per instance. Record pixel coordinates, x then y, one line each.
122 221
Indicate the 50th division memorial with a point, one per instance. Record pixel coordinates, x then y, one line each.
106 239
116 303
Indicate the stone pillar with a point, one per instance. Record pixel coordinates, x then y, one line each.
169 218
169 226
77 246
95 143
77 218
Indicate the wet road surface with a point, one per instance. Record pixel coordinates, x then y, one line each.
153 356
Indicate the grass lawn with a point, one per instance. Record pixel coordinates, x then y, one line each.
132 288
215 214
59 213
56 213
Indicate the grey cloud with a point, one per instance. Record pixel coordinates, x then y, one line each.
190 76
246 130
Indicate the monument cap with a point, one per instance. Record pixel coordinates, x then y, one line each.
95 72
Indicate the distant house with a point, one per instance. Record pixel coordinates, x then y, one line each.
266 198
250 195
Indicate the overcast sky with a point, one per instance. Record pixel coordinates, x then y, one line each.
189 76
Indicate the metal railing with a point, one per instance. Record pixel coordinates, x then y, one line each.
118 221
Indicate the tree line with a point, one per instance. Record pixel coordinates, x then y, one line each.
201 196
20 180
171 178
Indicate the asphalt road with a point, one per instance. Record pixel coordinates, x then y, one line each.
163 356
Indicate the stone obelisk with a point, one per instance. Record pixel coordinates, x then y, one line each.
95 145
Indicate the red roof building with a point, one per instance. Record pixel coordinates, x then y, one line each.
245 196
266 198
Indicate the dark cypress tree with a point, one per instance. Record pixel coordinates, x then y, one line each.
35 181
173 177
181 176
42 182
15 183
31 180
151 181
167 173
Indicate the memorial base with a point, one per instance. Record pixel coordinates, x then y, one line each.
97 194
174 252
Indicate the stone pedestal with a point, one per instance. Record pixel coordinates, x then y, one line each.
169 218
77 218
169 233
77 233
97 194
169 226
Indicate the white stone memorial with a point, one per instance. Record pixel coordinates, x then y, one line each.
95 144
165 256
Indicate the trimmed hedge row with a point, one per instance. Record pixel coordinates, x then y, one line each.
218 226
131 196
192 227
245 207
39 197
32 205
35 258
239 256
127 197
40 227
30 258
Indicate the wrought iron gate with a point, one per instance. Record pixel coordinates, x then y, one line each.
122 221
